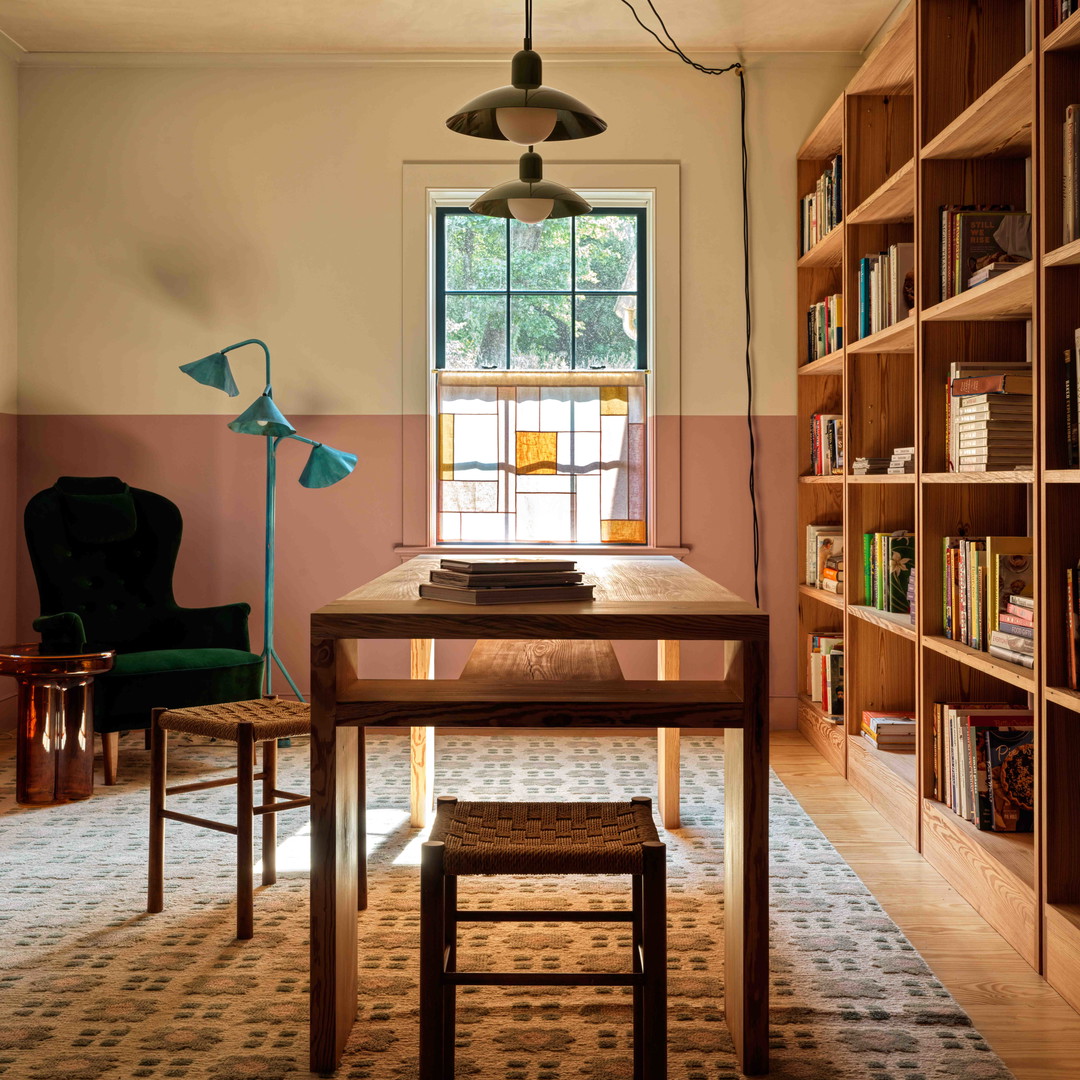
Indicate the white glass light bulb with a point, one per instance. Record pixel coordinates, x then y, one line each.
526 126
531 211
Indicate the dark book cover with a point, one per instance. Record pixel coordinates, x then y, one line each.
537 594
992 236
900 551
1010 774
487 581
835 681
509 566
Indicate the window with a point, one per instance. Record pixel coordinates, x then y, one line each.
541 351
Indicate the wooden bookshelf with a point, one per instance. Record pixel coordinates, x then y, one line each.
828 251
938 117
831 364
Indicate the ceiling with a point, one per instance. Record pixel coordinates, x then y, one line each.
439 26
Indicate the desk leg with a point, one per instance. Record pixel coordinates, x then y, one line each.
421 741
335 848
746 862
667 742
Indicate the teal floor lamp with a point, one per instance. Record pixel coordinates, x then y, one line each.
325 466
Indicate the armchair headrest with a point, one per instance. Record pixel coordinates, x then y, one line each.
97 509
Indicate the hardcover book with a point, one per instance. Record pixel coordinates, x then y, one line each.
1010 768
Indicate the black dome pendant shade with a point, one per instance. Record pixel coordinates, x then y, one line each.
527 198
556 116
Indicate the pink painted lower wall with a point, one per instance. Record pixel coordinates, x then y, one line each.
331 540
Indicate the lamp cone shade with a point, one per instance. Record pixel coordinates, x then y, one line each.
530 185
213 370
479 117
326 466
262 417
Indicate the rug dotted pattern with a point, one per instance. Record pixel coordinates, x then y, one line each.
92 988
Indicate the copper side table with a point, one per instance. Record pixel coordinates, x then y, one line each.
54 760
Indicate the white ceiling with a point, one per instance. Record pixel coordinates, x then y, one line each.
443 26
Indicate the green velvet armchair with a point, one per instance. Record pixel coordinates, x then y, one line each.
103 556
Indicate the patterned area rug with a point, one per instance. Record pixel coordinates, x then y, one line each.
93 988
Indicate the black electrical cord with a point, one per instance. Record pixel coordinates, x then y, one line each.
672 46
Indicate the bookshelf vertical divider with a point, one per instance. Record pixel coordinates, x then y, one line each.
938 116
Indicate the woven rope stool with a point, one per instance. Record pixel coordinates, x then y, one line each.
470 838
245 723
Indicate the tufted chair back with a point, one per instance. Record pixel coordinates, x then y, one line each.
107 552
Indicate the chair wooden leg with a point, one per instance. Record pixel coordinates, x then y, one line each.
110 755
449 994
245 801
654 933
269 821
159 742
639 997
432 942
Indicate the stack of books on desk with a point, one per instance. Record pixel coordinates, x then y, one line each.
506 581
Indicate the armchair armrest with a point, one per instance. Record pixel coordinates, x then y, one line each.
61 633
221 627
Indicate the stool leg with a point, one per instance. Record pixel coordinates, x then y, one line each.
155 887
654 933
639 996
432 943
245 802
449 994
269 821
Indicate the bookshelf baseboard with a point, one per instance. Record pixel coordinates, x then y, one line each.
1062 933
886 780
823 734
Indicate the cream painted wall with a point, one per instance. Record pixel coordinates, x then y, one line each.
168 210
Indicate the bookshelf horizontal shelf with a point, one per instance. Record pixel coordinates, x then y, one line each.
984 662
898 338
1065 36
893 201
1066 255
829 599
828 251
1007 297
827 139
821 479
890 68
815 707
830 364
883 478
996 124
1062 476
887 620
1066 698
1062 929
1014 476
899 763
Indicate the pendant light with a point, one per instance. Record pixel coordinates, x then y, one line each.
530 198
526 112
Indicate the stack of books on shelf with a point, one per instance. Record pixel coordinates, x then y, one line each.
506 581
988 424
825 672
827 444
869 466
984 763
1072 402
978 243
886 288
988 587
890 730
822 210
902 461
825 327
888 559
825 557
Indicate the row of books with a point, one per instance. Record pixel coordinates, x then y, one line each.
888 559
1072 403
506 581
825 671
893 731
902 461
988 420
988 585
823 209
825 557
825 327
826 444
978 243
984 763
886 287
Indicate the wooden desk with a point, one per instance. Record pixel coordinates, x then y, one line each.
654 598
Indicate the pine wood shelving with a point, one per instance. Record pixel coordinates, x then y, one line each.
828 251
957 133
821 480
831 364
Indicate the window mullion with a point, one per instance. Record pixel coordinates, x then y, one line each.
573 294
507 294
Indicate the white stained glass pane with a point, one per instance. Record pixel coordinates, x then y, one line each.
469 495
543 518
468 399
555 408
578 452
534 482
476 447
588 509
586 407
486 528
636 404
528 408
613 486
449 527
